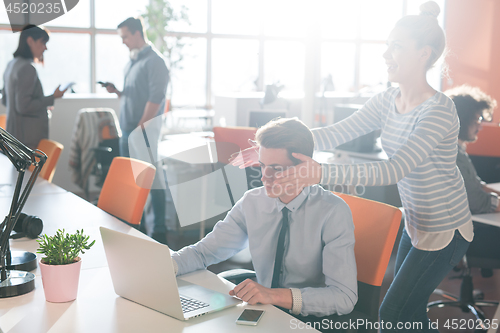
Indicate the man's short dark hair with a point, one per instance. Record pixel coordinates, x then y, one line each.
133 25
286 133
471 101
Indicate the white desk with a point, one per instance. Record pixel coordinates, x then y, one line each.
97 307
495 186
491 218
68 211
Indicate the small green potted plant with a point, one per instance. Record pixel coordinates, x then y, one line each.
60 268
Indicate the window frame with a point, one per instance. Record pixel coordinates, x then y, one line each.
310 42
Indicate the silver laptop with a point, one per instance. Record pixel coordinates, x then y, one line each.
142 271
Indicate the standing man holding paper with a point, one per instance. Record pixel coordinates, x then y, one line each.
144 89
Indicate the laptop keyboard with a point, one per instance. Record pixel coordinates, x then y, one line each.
189 304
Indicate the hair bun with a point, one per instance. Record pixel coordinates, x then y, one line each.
430 8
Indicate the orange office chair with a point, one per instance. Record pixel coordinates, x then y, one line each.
229 140
3 120
237 136
376 226
126 188
53 150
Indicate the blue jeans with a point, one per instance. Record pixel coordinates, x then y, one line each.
158 195
417 274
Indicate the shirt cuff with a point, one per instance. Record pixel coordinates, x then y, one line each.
296 301
494 201
176 267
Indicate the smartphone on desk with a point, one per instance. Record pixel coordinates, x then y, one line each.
250 317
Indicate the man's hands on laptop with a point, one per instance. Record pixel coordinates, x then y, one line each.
253 293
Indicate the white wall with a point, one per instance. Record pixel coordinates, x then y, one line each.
61 128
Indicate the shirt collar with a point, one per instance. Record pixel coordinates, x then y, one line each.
137 53
296 202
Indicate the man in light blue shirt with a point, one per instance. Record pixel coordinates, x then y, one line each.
141 102
310 231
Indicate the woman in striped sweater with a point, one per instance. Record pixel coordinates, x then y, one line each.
419 129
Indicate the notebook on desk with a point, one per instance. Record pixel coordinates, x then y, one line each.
142 271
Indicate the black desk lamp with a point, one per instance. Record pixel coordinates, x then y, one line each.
14 282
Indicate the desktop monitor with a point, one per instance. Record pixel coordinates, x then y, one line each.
259 118
363 144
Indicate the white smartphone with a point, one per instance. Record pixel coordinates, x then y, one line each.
250 317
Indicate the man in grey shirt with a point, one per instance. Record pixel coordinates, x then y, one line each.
301 240
472 106
145 85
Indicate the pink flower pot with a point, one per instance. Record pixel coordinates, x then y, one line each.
60 282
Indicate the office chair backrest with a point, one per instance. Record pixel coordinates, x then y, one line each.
376 226
3 120
53 150
107 149
126 188
237 137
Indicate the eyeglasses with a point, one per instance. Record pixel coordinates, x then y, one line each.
273 170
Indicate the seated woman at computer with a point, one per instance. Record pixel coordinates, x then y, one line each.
301 241
472 106
419 127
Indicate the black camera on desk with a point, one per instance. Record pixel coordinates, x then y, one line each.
27 226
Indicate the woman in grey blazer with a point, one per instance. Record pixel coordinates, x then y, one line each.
27 114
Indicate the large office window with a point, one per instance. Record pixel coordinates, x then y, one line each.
235 65
230 46
188 81
66 64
